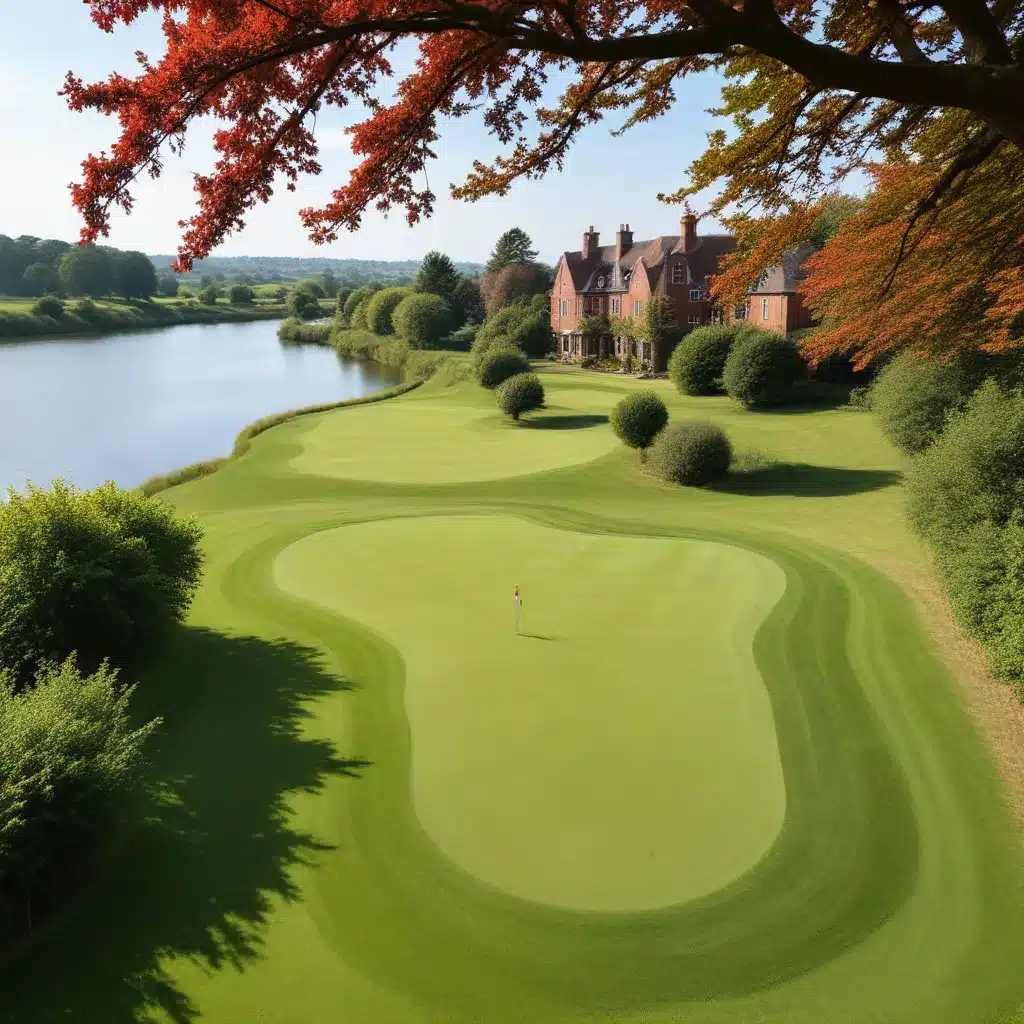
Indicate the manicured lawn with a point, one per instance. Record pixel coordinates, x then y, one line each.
722 777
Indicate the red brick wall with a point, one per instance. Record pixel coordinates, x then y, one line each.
563 290
797 314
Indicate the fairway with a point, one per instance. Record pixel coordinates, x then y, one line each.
722 776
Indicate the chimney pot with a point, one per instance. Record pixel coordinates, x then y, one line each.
590 243
688 230
623 241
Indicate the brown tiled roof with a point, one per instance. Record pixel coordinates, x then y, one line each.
702 261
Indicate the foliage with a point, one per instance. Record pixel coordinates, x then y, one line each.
381 307
422 319
330 284
167 286
497 365
594 326
87 270
313 286
69 754
966 495
467 301
762 368
302 333
690 453
41 279
519 325
522 392
516 281
659 326
340 298
913 396
352 301
102 573
209 295
638 418
240 295
832 211
461 340
514 246
135 275
48 305
357 321
437 275
303 304
698 361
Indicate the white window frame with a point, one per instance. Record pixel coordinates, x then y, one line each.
600 281
764 309
563 307
616 306
693 318
679 273
740 312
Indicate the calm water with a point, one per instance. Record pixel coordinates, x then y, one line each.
125 407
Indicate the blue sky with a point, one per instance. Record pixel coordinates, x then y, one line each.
606 180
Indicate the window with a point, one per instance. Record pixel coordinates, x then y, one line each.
638 307
565 342
696 294
679 273
600 281
693 318
740 312
579 306
764 309
616 306
647 351
563 307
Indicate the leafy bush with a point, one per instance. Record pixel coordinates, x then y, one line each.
698 361
762 368
462 339
589 362
381 307
353 301
209 295
966 496
499 364
49 305
638 418
422 319
68 754
520 325
520 393
313 287
303 304
102 573
357 321
860 398
690 453
241 295
912 397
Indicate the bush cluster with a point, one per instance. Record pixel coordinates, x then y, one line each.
303 304
525 325
520 393
690 453
381 307
422 319
497 365
49 305
762 369
698 361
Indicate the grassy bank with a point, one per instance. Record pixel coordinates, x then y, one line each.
18 321
722 776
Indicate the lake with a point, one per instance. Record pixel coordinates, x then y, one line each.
126 407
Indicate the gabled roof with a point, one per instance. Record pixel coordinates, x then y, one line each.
786 276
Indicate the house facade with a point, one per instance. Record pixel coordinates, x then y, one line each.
620 280
774 303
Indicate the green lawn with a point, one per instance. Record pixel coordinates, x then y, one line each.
721 778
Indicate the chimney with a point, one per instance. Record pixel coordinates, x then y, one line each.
688 230
623 241
590 243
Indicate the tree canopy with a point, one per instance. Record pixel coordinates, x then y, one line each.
437 275
514 246
814 90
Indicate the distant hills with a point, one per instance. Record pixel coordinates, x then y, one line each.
285 268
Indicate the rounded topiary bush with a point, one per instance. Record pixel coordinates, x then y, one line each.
637 419
690 453
499 364
912 397
381 308
697 362
521 393
762 369
49 305
422 319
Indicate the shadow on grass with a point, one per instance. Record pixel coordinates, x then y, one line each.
571 421
198 872
538 636
805 481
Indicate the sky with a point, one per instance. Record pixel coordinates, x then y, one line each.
606 180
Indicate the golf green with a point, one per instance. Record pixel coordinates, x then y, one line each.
721 776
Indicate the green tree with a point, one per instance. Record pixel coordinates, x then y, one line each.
467 302
313 286
102 573
135 275
40 279
422 319
167 285
437 275
660 327
209 295
520 393
835 209
514 246
330 283
516 281
638 418
87 270
303 304
240 295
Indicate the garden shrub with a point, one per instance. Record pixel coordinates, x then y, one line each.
762 368
69 753
102 573
912 397
638 418
498 365
85 308
303 304
241 295
698 361
49 305
691 453
520 325
462 339
209 295
357 321
381 307
353 300
966 496
520 393
422 319
589 362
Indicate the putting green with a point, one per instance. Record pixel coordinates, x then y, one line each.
736 784
553 765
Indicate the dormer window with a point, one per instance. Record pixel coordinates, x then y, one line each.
600 281
679 273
